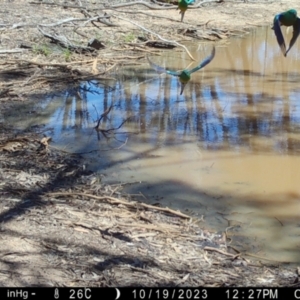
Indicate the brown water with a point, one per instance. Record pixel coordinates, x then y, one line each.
228 149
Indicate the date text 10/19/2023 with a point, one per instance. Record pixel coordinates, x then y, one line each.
212 293
198 293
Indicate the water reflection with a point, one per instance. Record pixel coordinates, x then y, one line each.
226 149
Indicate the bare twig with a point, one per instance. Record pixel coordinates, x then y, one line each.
222 252
142 3
156 34
69 20
115 128
12 51
102 116
113 200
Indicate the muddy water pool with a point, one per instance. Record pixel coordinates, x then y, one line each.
227 150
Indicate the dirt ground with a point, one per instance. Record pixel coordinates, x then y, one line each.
59 225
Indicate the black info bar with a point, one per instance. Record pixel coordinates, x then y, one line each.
149 293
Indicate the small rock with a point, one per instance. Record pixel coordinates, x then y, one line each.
96 44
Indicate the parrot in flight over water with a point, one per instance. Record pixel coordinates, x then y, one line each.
183 5
185 75
287 18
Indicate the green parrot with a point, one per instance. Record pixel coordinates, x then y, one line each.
287 18
183 5
185 75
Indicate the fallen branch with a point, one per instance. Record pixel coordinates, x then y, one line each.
107 7
164 229
141 3
86 20
12 51
156 34
68 20
63 42
221 252
113 200
49 64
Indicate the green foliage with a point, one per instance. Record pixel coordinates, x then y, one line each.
98 36
43 49
67 54
129 37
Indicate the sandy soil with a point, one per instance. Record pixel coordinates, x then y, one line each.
60 226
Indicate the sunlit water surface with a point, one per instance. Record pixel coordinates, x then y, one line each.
228 149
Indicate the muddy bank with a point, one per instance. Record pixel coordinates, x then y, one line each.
60 226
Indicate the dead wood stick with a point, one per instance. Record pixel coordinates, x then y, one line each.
68 20
163 7
222 252
86 20
142 3
65 43
164 229
57 4
204 2
112 6
139 48
48 64
154 51
19 25
126 203
79 62
108 69
156 34
212 1
12 51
